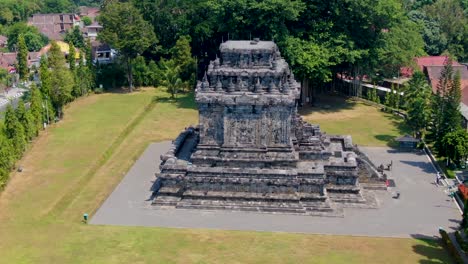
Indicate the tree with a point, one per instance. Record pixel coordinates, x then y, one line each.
125 29
418 103
456 145
61 79
83 78
37 107
171 79
71 57
76 37
15 132
6 158
44 76
398 47
27 120
22 58
182 55
33 38
140 71
435 41
446 105
86 21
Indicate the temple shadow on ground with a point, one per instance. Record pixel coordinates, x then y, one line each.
424 166
432 249
328 103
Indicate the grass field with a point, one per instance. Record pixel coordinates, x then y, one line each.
366 124
74 165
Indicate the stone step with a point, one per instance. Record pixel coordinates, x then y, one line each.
166 200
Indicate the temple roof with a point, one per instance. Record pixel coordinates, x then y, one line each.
247 45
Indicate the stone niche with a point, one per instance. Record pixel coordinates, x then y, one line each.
251 150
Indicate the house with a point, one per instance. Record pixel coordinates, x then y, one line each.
8 61
92 31
91 12
102 53
432 67
3 41
54 26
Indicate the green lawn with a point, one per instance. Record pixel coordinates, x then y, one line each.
74 165
367 125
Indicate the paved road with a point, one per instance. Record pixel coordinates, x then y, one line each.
422 208
12 96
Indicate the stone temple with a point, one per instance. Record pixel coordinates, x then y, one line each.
252 151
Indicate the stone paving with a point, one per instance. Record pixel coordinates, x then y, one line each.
420 210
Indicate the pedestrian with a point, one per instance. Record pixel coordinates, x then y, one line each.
438 178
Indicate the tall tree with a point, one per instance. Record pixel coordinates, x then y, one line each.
76 37
61 79
125 29
44 76
27 120
182 55
14 131
37 107
33 38
71 57
22 58
417 102
456 145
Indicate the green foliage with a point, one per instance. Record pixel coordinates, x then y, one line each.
84 80
398 47
14 131
71 57
141 73
7 160
127 31
86 20
456 145
171 77
22 58
61 79
33 39
453 23
44 75
76 37
36 107
418 103
27 120
445 105
435 41
182 56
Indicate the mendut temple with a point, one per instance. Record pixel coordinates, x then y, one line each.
252 151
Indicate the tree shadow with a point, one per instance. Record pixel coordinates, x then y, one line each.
186 100
432 249
326 104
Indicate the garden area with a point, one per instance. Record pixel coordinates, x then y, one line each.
72 167
367 124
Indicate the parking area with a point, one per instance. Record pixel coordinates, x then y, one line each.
421 208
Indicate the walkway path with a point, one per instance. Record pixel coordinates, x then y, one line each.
421 209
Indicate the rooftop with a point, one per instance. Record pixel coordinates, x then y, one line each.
247 45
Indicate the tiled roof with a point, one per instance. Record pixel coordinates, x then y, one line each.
53 25
3 39
433 61
434 72
7 59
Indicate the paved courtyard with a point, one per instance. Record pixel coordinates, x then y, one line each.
420 210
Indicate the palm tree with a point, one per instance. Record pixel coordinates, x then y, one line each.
171 77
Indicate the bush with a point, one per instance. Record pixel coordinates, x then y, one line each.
450 246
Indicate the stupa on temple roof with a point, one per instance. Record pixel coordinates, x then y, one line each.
251 150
